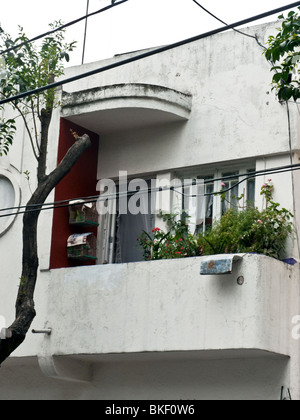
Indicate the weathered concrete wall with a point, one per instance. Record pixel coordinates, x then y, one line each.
163 321
234 113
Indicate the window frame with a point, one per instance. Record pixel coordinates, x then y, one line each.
172 200
218 177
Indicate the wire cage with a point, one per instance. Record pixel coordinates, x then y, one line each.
82 213
82 246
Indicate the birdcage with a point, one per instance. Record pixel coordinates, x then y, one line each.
82 213
82 247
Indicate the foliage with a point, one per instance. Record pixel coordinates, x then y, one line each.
250 230
176 243
7 132
283 52
26 68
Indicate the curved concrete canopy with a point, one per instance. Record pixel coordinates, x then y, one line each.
119 107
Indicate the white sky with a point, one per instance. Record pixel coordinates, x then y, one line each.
131 26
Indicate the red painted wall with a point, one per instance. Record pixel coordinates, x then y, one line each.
80 182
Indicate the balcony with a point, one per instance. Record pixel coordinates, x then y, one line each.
123 107
167 306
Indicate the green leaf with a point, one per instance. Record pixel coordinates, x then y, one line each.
285 93
277 77
275 68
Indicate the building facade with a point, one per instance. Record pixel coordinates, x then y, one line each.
123 328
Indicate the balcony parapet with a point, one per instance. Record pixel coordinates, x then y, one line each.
167 306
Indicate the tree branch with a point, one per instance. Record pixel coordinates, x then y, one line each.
28 131
34 123
25 312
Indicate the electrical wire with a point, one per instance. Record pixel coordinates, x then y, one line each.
292 175
146 54
224 23
104 197
73 22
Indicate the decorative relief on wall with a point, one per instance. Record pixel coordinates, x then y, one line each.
9 198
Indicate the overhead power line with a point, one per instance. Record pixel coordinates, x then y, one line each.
98 198
224 23
73 22
147 54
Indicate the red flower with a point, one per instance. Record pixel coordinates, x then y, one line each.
155 230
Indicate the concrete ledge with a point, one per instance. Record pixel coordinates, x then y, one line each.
164 306
126 106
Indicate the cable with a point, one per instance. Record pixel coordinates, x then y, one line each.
85 31
114 4
113 196
292 176
146 54
236 30
224 23
247 175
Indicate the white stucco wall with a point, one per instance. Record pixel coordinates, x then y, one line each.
168 306
140 328
234 113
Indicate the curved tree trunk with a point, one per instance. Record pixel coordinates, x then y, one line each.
25 312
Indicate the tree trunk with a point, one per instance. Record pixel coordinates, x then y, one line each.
25 312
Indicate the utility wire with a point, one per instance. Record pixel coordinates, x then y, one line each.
73 22
224 23
147 54
113 196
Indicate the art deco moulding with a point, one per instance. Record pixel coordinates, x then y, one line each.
10 196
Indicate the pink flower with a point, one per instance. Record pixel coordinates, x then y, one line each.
259 221
223 184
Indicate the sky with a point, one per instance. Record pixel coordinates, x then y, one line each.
131 26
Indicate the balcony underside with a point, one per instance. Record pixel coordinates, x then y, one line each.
124 107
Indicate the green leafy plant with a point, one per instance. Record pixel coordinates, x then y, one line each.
283 52
250 230
238 231
176 243
7 132
26 68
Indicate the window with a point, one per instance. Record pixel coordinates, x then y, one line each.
208 210
239 194
251 190
195 196
232 191
127 217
